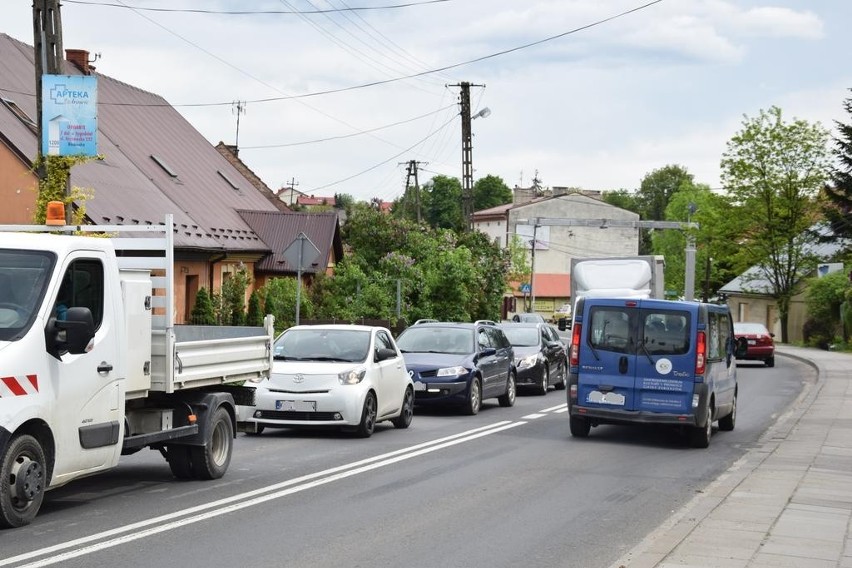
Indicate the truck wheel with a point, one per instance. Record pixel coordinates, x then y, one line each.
211 460
22 481
508 399
727 423
580 427
179 460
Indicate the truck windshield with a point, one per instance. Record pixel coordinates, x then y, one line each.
23 281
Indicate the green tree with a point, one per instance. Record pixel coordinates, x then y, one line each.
824 298
838 196
621 198
774 171
489 192
203 312
441 199
255 315
233 294
653 197
343 201
280 301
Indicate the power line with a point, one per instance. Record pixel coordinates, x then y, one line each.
251 12
386 81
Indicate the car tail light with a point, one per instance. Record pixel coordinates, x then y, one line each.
575 344
700 353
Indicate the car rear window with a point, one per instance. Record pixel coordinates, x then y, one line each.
744 327
624 330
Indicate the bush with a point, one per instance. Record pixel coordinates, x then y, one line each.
818 332
203 312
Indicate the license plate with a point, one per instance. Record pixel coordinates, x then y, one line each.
296 405
418 386
612 398
752 342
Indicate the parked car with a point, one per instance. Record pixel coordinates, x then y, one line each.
540 356
344 376
761 343
459 364
528 318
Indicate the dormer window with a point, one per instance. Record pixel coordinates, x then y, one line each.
234 186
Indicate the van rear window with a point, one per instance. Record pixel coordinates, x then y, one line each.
625 330
665 332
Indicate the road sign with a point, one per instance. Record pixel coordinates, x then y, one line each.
526 288
301 253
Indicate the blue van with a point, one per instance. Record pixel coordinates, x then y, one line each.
652 361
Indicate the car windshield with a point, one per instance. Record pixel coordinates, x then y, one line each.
432 339
522 336
305 344
23 281
757 328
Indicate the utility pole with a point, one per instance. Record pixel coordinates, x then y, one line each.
238 108
48 55
467 152
291 185
411 171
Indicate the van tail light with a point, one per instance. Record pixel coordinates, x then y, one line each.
574 357
700 353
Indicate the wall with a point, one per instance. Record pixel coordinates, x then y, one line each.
18 190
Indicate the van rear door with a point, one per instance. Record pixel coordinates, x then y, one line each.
607 367
665 358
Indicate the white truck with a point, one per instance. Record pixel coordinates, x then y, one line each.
617 277
92 365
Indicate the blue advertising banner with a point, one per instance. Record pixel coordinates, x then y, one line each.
69 115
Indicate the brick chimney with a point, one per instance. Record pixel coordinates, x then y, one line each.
80 58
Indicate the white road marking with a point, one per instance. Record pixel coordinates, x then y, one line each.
533 416
247 499
561 410
555 408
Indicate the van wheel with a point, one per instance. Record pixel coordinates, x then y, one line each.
770 362
23 475
508 399
699 436
727 423
474 398
580 427
211 460
543 380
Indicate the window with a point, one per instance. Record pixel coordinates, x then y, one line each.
383 341
665 332
610 329
82 286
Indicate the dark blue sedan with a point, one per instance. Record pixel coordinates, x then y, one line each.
459 364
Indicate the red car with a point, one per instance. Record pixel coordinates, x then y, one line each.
761 345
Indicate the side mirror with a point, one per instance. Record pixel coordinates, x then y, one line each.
488 352
383 354
72 334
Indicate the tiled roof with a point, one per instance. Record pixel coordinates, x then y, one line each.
203 192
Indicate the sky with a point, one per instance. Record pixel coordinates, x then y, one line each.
338 96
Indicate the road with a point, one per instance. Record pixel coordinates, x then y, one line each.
508 487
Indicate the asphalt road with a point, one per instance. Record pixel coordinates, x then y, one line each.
508 487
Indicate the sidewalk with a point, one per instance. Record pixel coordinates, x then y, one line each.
787 502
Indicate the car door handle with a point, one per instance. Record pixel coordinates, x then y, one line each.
104 368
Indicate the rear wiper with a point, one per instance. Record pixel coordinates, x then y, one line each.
645 351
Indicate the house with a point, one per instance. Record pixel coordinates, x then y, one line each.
556 245
154 163
749 295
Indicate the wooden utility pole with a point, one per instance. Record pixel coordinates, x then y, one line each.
411 171
467 157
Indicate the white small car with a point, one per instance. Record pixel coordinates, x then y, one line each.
345 376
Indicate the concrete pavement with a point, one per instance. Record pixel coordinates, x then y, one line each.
787 502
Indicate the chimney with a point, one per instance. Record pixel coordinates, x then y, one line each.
80 58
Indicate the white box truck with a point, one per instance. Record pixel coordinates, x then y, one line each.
617 277
92 365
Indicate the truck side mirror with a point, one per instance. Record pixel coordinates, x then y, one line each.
563 324
71 334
